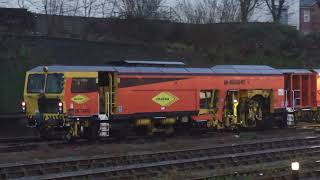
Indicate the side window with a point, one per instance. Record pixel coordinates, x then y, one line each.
205 99
306 15
297 98
83 85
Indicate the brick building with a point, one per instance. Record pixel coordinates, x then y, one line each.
309 16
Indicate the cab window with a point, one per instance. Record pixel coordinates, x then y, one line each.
205 99
83 85
54 83
35 83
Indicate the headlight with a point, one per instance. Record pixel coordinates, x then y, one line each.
60 109
23 106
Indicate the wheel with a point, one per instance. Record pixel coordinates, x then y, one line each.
68 137
281 120
265 124
46 133
316 117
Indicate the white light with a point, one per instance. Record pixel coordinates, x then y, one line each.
235 101
60 104
295 166
23 103
45 68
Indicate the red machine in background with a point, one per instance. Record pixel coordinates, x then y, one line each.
301 94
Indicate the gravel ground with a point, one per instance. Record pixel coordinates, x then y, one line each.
142 146
14 127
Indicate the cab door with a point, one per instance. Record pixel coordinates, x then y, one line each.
107 87
207 106
104 93
207 102
84 96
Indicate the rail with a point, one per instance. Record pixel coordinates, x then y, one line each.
216 157
12 115
145 169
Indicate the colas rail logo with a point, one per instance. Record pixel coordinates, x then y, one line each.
80 99
165 99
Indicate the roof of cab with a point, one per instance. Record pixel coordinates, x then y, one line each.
296 71
74 69
220 69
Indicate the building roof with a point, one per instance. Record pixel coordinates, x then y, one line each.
296 71
307 3
220 69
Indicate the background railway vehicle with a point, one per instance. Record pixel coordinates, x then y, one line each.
301 95
302 88
98 101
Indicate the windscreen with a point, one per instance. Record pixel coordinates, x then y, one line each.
35 83
54 83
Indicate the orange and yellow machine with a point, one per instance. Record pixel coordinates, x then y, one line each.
98 101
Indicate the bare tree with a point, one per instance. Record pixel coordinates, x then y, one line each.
107 8
247 7
103 7
276 8
229 11
72 7
139 8
89 6
53 7
200 12
212 8
21 3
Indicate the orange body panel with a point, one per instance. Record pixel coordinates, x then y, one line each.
137 96
81 104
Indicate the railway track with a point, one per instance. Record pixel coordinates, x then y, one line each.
12 115
20 139
270 170
156 164
18 144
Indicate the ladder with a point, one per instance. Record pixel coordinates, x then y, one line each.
112 95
